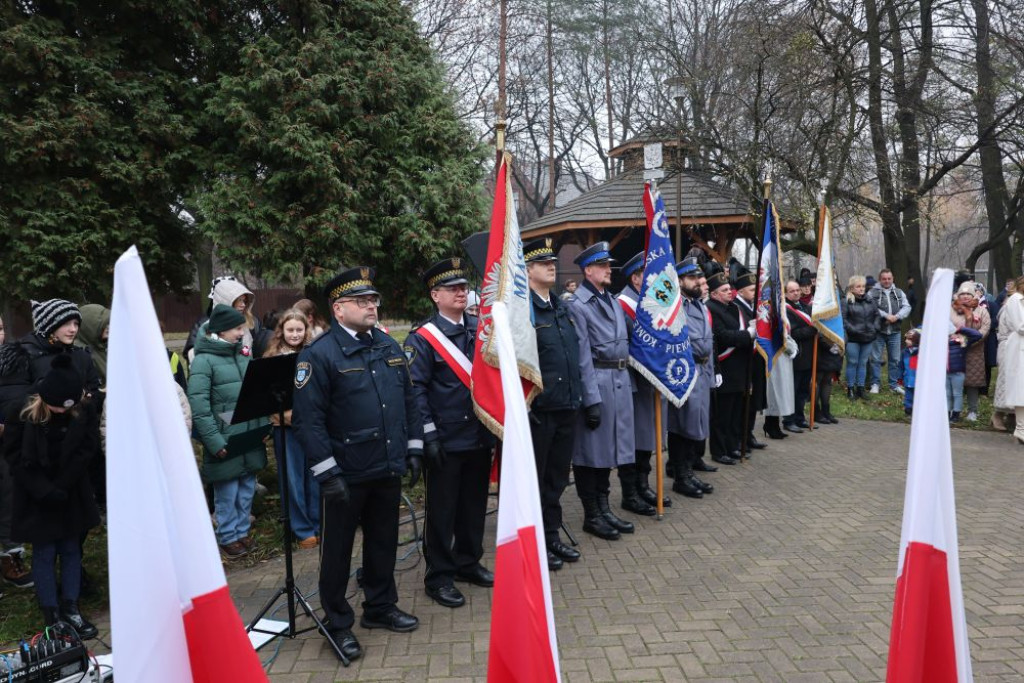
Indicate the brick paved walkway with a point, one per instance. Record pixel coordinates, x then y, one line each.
785 573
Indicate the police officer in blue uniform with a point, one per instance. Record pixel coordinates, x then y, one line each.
554 412
457 446
356 417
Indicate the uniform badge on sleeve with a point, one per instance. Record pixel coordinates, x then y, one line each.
410 354
303 371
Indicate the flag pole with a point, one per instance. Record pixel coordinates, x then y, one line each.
659 468
744 447
814 356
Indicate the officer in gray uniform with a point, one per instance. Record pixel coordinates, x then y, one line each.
637 494
604 433
688 426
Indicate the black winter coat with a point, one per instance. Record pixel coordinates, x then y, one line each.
29 359
860 318
803 333
733 345
558 350
47 461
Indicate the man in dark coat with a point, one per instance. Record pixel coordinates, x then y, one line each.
357 421
604 434
689 426
457 447
637 494
734 341
802 330
555 411
746 289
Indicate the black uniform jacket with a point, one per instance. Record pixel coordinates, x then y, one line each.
733 345
354 412
558 347
444 402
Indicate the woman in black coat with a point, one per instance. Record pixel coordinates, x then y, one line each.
48 445
830 361
860 319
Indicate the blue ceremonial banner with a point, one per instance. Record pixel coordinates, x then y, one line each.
825 309
772 323
659 348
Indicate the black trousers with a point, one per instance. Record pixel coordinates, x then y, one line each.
823 398
373 506
553 434
726 423
456 508
591 481
684 453
802 394
641 466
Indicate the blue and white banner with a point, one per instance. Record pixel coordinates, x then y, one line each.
772 323
659 348
825 310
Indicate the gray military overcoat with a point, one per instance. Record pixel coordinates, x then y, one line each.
692 421
643 395
601 327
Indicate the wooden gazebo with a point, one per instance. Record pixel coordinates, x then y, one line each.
702 211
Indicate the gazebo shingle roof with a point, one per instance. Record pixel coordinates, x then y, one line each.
619 202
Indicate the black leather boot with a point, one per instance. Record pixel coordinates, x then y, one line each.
70 614
621 525
594 522
633 502
850 393
649 495
771 428
686 486
859 391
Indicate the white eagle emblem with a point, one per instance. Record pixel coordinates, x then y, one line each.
662 301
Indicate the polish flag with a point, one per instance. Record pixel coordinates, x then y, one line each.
928 641
171 614
523 643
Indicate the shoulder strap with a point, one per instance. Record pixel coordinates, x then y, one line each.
453 356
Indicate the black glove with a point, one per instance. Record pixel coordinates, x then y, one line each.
592 416
434 454
415 463
55 496
334 489
534 418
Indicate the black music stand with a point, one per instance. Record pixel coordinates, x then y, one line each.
267 390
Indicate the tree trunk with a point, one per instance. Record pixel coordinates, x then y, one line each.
993 182
204 270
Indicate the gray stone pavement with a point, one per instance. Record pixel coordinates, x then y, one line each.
785 573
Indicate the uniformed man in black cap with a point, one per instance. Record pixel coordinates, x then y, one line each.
457 447
637 494
745 285
554 412
604 434
357 421
734 341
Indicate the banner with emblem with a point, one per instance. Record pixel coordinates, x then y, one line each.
825 309
504 280
772 323
659 347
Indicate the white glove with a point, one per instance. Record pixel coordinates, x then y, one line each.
834 349
718 380
791 348
752 328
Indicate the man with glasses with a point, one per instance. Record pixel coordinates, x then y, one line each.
356 417
457 446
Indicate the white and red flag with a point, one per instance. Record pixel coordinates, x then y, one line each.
504 280
928 641
172 617
523 643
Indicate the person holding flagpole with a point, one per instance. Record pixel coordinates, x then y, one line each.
637 494
555 410
689 426
604 434
356 417
457 447
745 284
